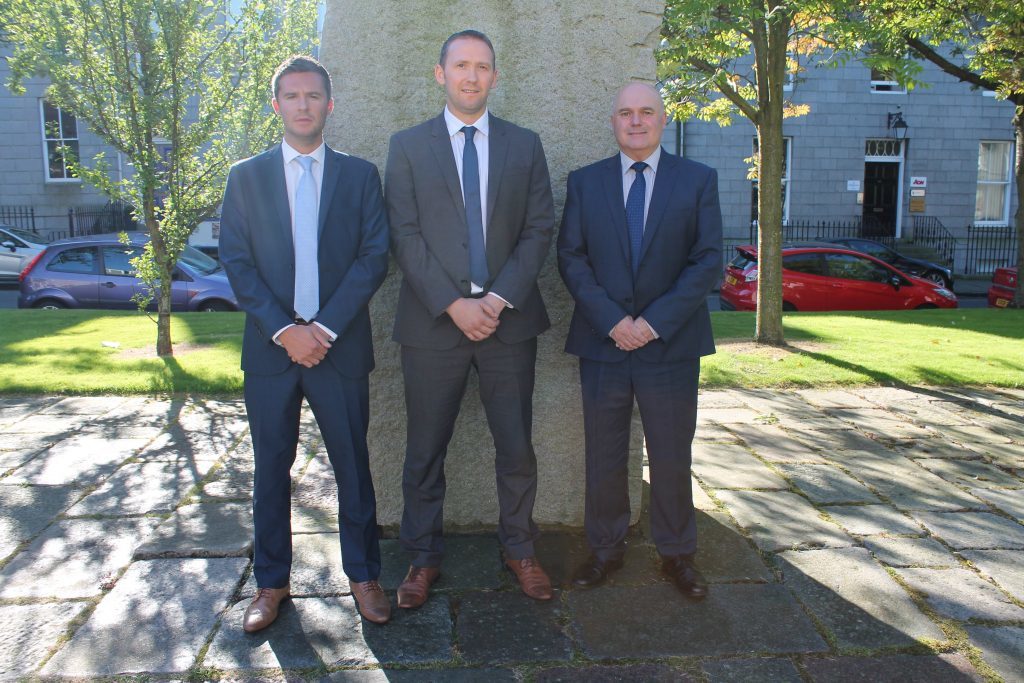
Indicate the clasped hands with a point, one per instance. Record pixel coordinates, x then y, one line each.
306 344
477 318
630 334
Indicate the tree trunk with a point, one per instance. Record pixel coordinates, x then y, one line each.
1018 217
163 289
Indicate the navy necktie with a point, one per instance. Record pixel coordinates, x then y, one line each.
635 213
474 214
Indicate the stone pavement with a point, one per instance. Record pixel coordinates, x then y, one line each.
849 534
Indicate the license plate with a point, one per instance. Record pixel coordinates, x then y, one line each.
1002 303
732 281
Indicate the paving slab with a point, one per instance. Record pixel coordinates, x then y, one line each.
936 448
882 424
759 670
46 424
839 437
83 405
140 488
193 450
870 520
775 444
316 567
81 460
711 432
833 398
311 631
931 413
720 398
731 466
1005 567
460 674
971 473
17 407
156 619
310 520
974 434
27 632
973 529
500 627
654 673
948 668
961 594
202 530
470 562
726 415
701 500
906 485
73 558
724 554
1001 648
855 598
1009 501
778 520
911 552
827 484
656 621
1008 426
231 480
27 510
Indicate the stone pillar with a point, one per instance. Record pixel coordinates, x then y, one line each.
559 64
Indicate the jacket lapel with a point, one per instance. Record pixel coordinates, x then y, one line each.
441 146
497 150
612 179
664 181
332 172
277 188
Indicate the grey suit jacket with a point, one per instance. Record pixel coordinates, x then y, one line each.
258 254
429 232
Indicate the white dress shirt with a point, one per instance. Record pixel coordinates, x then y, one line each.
292 173
628 176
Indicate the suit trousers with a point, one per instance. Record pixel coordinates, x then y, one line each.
666 393
341 407
435 382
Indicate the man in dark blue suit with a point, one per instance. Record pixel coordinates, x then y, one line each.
304 241
640 249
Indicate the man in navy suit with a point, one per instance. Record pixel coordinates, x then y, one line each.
469 202
640 249
304 241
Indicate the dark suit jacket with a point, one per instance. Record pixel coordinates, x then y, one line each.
429 232
680 260
257 251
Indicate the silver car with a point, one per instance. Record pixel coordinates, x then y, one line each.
17 248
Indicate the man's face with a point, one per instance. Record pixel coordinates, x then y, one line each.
638 120
303 106
467 75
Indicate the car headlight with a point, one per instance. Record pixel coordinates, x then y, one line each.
942 291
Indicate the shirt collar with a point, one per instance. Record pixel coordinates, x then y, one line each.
290 153
651 161
483 124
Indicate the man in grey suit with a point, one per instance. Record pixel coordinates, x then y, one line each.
304 243
640 249
469 202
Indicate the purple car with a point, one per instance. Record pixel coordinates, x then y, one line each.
96 272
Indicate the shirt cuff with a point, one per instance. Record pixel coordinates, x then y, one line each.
653 331
503 299
276 338
330 332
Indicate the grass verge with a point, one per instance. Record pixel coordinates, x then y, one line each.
94 352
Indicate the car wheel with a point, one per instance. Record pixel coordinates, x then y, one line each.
786 306
926 307
215 306
51 305
936 277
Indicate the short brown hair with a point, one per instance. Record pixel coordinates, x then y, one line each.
300 64
468 33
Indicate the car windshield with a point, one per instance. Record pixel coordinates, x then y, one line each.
28 236
198 261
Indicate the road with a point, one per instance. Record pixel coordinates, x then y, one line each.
9 299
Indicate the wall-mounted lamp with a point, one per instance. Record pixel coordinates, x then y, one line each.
897 125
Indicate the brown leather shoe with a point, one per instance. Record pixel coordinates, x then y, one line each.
373 603
532 579
414 589
262 611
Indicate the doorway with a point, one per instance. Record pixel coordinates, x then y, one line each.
882 210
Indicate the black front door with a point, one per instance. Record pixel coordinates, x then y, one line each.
881 191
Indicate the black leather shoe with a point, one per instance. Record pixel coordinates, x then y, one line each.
689 581
593 572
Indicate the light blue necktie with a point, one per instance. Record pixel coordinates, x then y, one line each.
635 213
307 273
474 214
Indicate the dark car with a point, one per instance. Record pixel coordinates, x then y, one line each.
827 277
938 274
1004 284
96 272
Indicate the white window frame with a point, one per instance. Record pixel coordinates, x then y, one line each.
787 170
46 139
1007 183
790 78
881 86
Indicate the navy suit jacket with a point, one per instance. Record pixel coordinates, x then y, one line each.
257 251
429 233
680 260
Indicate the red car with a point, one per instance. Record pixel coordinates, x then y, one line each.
825 277
1004 282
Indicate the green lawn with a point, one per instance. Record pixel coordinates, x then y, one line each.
111 352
